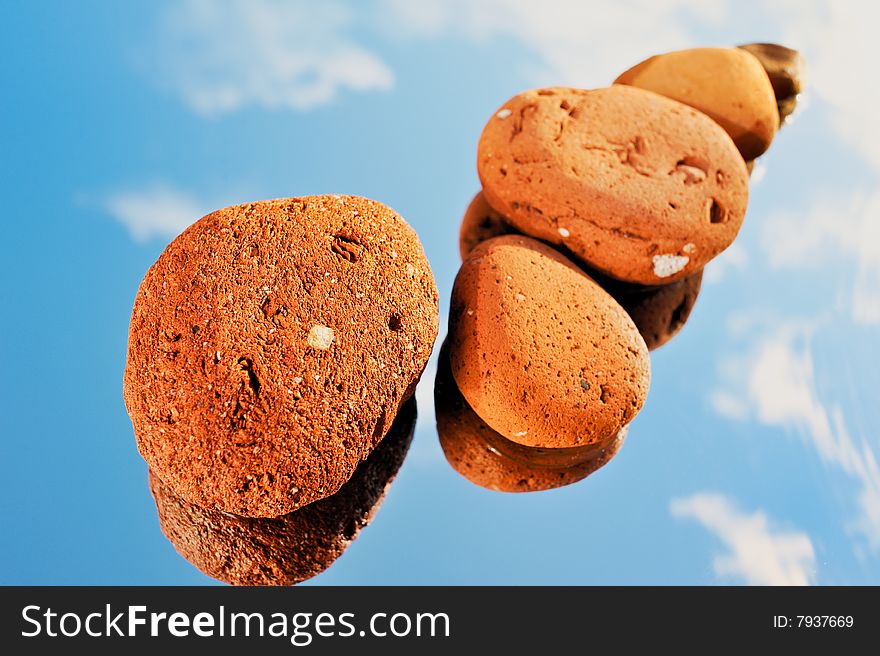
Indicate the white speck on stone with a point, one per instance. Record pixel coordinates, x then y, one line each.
667 265
321 337
393 255
410 269
564 232
689 248
470 313
520 298
521 433
297 380
503 113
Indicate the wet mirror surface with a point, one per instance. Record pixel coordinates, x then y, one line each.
754 459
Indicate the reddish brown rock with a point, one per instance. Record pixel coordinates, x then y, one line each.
542 353
659 311
271 346
728 84
291 548
638 186
487 459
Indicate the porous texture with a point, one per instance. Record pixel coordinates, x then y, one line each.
480 222
291 548
659 311
541 353
639 186
728 84
487 459
271 346
786 69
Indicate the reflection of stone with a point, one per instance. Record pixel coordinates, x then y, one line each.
659 311
491 461
294 547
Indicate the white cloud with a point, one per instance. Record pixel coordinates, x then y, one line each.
829 225
575 42
838 229
588 43
729 405
155 211
774 383
224 56
840 43
757 551
735 258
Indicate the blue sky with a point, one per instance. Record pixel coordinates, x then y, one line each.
755 458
